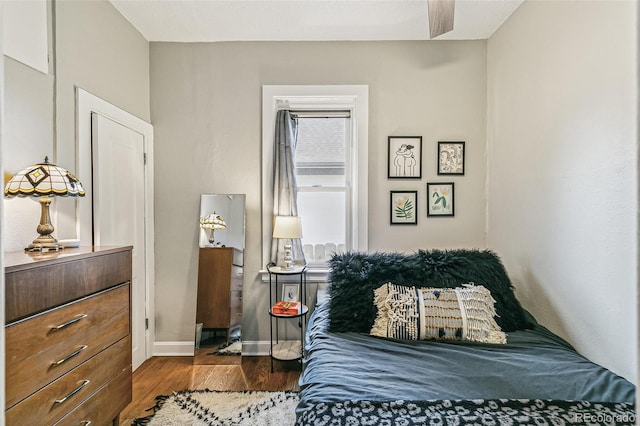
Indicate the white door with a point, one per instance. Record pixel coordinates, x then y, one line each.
119 209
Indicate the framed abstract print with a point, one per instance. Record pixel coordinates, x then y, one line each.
451 158
404 157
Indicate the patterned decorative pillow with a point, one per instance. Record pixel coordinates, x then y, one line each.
461 313
355 275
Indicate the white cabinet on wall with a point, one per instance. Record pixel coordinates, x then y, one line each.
25 32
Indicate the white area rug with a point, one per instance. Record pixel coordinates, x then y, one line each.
233 349
249 408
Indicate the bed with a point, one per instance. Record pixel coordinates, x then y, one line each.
534 377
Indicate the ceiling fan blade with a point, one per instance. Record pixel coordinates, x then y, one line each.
440 16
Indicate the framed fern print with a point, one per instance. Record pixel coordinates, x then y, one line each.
440 200
404 207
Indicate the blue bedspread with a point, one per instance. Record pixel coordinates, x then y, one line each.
534 364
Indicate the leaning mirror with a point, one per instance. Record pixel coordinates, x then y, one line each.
220 278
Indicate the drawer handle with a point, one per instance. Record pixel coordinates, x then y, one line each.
86 422
73 392
68 357
68 323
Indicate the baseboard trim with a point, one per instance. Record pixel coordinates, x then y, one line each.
173 348
249 348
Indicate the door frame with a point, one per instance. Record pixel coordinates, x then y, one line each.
87 103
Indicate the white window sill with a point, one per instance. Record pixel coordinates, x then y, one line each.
314 275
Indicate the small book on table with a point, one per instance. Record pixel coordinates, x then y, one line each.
286 308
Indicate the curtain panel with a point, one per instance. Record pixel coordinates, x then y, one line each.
285 188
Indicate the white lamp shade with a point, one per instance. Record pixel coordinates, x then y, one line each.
287 227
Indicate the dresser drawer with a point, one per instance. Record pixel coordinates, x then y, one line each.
58 398
236 271
32 290
236 319
103 406
236 285
238 258
38 353
235 299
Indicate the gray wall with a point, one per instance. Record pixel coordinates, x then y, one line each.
563 170
28 137
100 52
206 111
97 50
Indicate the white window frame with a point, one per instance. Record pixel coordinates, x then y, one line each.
354 98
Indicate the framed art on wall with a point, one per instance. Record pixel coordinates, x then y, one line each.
451 158
440 199
404 157
404 207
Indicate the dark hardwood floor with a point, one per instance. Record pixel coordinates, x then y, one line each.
164 375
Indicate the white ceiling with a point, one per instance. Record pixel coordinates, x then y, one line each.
257 20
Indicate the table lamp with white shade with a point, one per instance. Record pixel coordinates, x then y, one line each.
287 228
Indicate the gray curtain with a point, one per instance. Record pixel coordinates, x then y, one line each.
285 188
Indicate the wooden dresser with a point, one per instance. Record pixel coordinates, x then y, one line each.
220 276
68 336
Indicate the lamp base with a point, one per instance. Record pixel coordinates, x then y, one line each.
287 257
45 241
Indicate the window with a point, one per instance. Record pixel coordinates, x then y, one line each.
331 166
323 171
